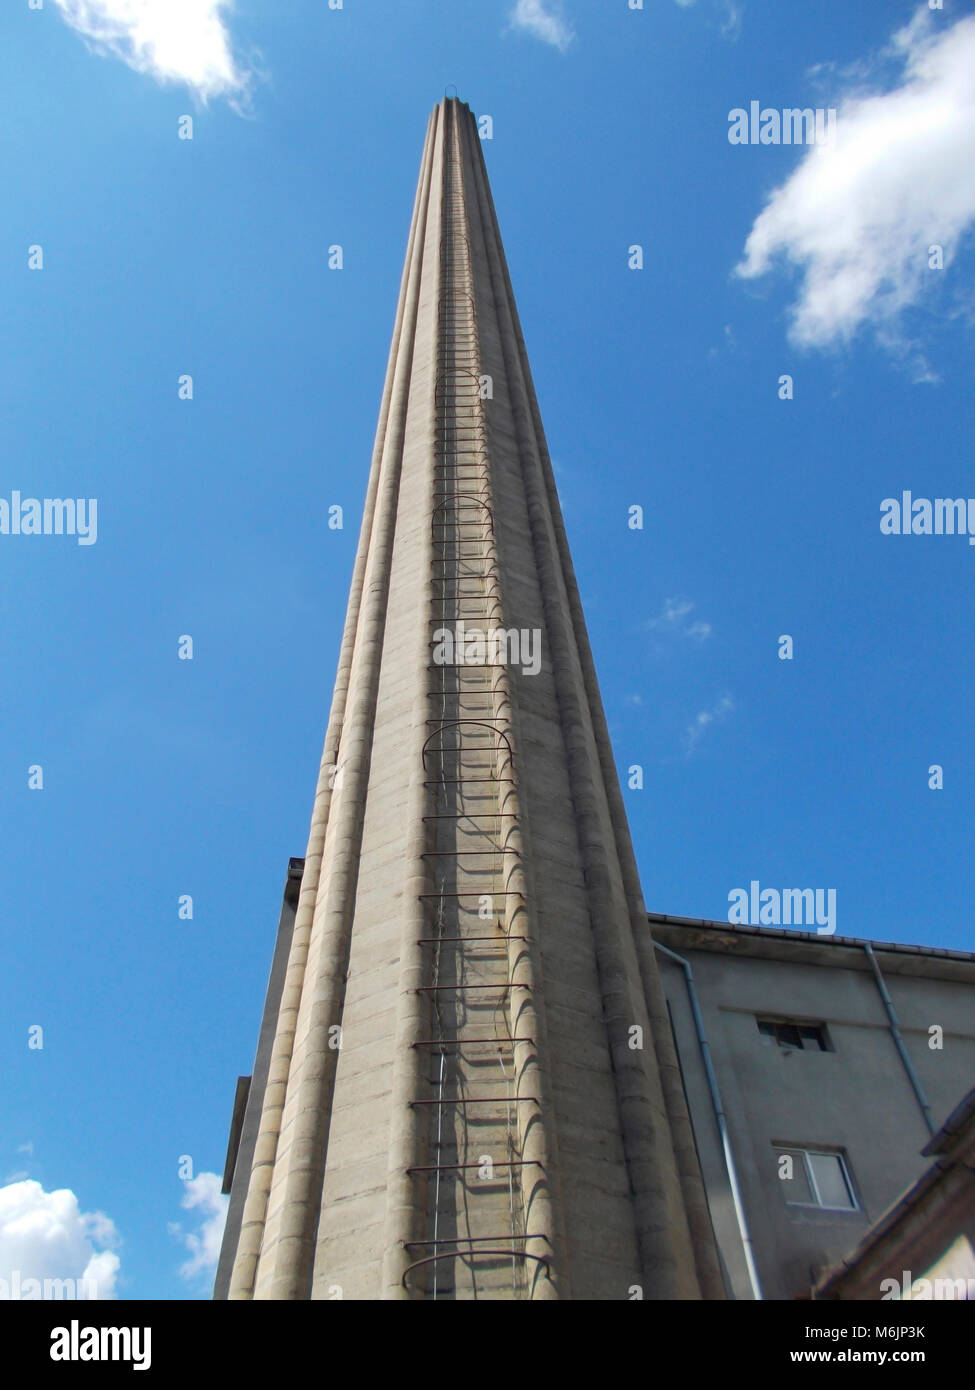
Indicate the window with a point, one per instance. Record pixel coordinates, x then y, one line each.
810 1037
815 1178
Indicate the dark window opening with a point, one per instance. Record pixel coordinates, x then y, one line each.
810 1037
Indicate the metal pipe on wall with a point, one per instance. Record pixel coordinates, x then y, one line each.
899 1043
720 1117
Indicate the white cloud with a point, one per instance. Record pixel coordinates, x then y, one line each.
672 616
545 20
857 218
172 40
732 11
734 14
204 1196
673 610
705 718
45 1235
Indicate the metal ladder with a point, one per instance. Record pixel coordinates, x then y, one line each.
473 1244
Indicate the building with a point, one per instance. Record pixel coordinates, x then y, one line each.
817 1068
923 1247
466 1083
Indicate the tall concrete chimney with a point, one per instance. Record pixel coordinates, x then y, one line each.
466 1085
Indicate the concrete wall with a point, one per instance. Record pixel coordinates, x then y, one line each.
258 1080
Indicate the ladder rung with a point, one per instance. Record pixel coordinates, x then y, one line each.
425 940
473 893
481 1100
495 1163
456 853
457 989
467 781
470 1240
469 1042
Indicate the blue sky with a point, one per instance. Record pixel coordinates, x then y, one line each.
658 387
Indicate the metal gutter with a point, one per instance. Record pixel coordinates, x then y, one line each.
719 1115
895 1033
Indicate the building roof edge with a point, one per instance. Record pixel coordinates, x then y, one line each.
807 937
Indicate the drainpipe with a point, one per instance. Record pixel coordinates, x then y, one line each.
719 1115
895 1033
